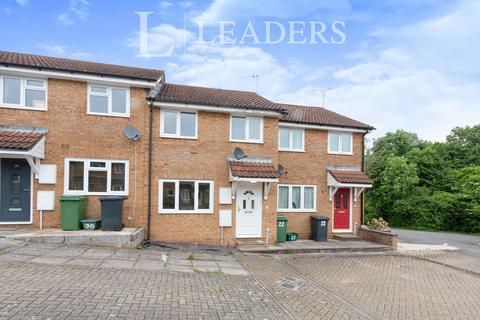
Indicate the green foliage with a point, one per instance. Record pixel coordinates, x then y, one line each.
424 185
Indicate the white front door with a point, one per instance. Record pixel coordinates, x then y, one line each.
249 210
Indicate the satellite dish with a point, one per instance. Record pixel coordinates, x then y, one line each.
239 154
281 169
131 133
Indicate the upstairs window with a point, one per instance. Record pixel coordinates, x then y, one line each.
340 142
23 93
96 177
176 124
108 101
290 139
246 129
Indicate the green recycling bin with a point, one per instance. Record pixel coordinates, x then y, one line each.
282 228
72 209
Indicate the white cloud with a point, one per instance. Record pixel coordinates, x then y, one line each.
63 51
22 3
77 10
241 9
64 19
414 81
165 5
232 68
54 50
162 38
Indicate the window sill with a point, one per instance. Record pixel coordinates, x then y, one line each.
291 150
297 211
177 137
6 106
81 193
246 141
341 153
184 212
109 115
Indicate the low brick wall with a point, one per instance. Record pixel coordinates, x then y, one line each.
382 237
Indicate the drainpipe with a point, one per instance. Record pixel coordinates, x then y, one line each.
150 147
362 206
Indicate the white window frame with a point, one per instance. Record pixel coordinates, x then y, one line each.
339 152
177 197
23 88
177 134
290 138
247 129
302 198
86 169
108 94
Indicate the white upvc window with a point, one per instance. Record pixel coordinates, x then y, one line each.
185 196
108 101
23 93
290 139
340 142
246 129
96 177
297 198
178 124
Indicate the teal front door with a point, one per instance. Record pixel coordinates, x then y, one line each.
15 190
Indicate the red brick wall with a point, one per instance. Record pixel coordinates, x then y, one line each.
73 133
309 167
206 159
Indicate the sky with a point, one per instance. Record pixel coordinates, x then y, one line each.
394 64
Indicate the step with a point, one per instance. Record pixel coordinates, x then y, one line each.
346 237
249 242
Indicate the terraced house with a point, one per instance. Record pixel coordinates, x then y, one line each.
210 166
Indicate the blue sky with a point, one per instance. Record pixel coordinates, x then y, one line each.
404 64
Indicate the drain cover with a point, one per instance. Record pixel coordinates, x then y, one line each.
290 283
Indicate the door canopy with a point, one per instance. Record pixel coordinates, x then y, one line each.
357 180
23 143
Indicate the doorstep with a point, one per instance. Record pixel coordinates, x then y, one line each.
126 238
310 246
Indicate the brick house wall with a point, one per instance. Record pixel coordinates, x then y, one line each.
309 167
74 133
206 159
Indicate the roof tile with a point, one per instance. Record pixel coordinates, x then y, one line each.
247 169
215 97
319 116
19 140
356 177
94 68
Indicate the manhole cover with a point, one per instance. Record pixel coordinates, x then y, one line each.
290 283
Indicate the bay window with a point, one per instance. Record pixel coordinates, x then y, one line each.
96 177
185 196
23 93
300 198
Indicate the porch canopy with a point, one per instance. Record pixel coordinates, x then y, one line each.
23 143
357 180
253 170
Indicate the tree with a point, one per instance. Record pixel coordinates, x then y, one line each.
463 147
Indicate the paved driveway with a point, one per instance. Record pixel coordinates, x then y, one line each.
470 244
308 286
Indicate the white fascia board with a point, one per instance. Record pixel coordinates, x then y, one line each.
44 73
319 127
252 180
199 107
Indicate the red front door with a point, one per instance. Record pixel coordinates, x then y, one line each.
341 209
